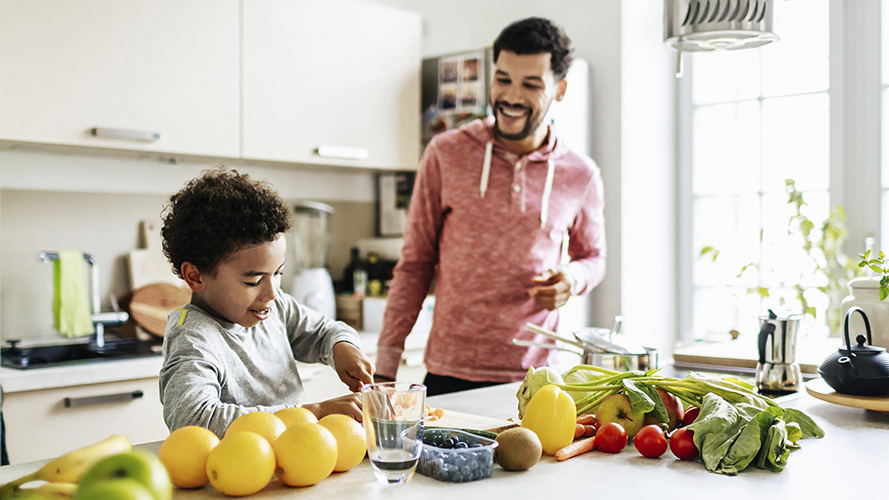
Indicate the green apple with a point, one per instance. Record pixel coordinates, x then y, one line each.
617 408
139 465
125 488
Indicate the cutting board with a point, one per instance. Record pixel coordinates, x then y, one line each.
818 388
151 304
457 420
148 264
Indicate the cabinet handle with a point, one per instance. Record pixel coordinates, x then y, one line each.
124 134
103 399
343 152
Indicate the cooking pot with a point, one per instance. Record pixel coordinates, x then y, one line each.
860 370
611 361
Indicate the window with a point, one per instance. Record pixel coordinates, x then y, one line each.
759 117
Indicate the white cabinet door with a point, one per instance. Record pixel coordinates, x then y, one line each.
47 423
337 74
137 67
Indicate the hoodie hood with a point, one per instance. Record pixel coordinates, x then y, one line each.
482 132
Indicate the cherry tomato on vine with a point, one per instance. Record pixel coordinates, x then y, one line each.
651 441
682 444
611 437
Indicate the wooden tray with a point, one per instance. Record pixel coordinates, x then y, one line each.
819 389
457 420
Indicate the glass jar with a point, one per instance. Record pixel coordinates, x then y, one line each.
865 293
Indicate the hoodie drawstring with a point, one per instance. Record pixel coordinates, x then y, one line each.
486 169
547 187
547 190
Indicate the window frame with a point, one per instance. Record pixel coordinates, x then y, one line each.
855 134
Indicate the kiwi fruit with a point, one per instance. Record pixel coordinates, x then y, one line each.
518 449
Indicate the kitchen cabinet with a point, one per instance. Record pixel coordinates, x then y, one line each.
132 69
334 82
39 424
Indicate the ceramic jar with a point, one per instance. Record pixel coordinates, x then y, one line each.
864 292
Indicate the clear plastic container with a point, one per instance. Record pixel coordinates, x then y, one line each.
455 456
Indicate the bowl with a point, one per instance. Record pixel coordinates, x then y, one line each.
455 456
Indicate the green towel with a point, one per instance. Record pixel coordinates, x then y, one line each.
71 313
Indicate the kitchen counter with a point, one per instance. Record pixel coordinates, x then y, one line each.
13 380
850 461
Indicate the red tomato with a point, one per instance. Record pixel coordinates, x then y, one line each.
682 444
611 437
691 413
651 441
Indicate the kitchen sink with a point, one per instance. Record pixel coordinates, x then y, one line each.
24 358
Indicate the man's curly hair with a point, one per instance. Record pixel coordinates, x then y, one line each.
536 35
219 213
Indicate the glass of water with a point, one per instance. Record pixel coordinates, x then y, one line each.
393 419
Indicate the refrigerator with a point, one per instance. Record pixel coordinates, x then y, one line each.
456 90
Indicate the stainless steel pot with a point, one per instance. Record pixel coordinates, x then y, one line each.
611 361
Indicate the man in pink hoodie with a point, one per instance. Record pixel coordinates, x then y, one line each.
491 206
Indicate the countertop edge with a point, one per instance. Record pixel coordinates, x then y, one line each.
13 380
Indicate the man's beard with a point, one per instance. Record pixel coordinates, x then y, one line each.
532 122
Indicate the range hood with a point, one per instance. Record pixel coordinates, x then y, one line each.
708 25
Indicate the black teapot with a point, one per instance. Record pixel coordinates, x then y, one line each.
860 370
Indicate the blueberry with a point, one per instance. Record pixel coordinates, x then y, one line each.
461 445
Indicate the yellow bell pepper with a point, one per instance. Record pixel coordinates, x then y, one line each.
551 415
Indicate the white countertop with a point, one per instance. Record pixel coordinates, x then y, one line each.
13 380
848 462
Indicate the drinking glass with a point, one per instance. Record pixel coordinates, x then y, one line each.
393 419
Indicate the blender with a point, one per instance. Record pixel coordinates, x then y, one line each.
312 284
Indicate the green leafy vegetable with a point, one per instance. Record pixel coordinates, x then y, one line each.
735 427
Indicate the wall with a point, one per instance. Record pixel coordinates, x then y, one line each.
53 201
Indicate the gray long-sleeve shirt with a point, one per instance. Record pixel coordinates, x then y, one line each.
215 371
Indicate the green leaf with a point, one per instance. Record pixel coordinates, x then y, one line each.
808 426
865 255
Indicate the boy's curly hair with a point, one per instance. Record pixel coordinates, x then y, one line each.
219 213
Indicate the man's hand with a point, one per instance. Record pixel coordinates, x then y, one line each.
352 366
350 405
552 290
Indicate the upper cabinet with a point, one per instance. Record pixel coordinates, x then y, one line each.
332 82
153 75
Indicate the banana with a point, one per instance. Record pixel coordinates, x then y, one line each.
69 467
52 491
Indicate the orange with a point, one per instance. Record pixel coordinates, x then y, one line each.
306 454
184 454
241 464
291 416
351 440
263 423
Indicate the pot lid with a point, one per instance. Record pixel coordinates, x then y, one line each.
864 282
862 347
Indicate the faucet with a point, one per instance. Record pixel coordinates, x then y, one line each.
99 318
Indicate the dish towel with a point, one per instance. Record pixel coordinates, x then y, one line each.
71 313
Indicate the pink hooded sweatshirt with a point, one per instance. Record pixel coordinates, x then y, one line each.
483 222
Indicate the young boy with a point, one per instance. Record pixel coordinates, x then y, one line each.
233 349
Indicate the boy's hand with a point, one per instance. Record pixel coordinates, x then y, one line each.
349 405
352 366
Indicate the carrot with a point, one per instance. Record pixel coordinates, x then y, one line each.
576 448
588 430
588 419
